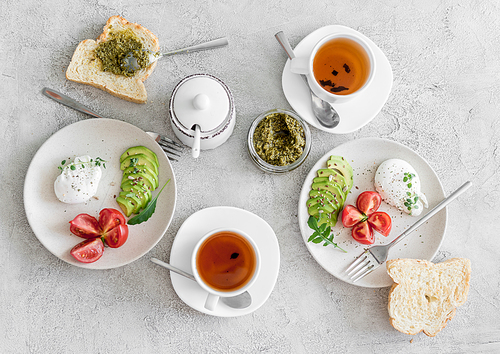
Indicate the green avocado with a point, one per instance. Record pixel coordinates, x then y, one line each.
136 201
333 188
139 160
137 188
126 205
135 150
143 169
330 175
338 163
148 181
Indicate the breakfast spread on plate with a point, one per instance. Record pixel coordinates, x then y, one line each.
96 64
424 296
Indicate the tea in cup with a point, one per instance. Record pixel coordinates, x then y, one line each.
225 263
339 67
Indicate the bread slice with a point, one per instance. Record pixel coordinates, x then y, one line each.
425 295
85 66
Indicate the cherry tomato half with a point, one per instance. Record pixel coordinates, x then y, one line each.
110 218
368 202
381 222
351 216
117 236
85 226
88 251
362 232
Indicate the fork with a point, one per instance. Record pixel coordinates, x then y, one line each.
170 147
375 256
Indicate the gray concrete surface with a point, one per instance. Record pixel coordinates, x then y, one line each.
444 104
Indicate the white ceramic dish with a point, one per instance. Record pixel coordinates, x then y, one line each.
49 218
354 113
203 221
365 155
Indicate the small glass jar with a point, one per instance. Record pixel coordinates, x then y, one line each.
267 167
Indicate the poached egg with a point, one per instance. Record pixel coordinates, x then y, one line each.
399 185
78 181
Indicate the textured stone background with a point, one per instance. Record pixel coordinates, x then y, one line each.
444 105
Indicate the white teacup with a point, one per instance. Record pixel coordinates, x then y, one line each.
359 48
221 252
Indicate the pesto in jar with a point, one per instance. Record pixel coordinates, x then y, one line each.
279 139
115 49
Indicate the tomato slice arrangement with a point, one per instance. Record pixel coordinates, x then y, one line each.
364 218
111 229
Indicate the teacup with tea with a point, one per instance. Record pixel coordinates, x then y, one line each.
339 68
225 263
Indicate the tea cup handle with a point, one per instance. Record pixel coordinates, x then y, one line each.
299 65
211 301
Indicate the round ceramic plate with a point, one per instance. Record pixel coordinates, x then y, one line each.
365 155
203 221
108 139
355 113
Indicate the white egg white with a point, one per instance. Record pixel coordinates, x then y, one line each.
79 184
398 184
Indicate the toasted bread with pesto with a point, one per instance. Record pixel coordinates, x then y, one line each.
86 68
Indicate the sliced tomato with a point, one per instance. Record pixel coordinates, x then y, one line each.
362 232
85 226
368 202
88 251
381 222
117 236
351 216
110 218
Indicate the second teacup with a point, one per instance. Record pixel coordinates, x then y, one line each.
339 67
225 263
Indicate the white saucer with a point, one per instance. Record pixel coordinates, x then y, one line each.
206 220
355 113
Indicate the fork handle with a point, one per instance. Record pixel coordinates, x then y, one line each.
216 43
433 212
67 101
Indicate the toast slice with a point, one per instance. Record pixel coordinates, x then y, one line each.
425 295
85 66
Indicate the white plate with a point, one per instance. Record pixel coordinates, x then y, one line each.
49 218
355 113
209 219
365 155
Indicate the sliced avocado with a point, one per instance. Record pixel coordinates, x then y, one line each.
140 177
317 208
139 160
329 219
339 164
333 188
136 201
322 200
140 189
330 175
125 205
135 150
143 169
143 200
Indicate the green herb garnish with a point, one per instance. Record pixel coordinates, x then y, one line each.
148 211
98 162
321 233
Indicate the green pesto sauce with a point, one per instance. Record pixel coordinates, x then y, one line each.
114 50
279 139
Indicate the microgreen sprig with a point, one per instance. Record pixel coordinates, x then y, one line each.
407 178
97 162
321 233
411 202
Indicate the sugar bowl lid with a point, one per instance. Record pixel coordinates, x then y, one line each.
201 100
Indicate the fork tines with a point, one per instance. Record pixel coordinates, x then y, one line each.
170 147
362 266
